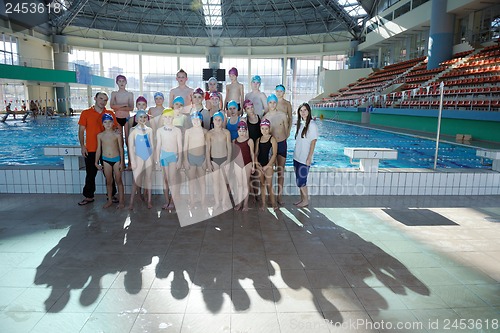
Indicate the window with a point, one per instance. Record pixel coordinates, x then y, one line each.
8 50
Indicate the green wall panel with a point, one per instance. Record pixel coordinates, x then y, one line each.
48 75
480 130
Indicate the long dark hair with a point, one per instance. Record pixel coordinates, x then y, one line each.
299 120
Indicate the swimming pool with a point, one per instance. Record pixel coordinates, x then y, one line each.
22 144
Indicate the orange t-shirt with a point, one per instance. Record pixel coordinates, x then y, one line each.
92 121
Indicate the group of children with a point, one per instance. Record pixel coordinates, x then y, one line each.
233 143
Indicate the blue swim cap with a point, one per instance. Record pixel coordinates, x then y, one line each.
158 94
280 87
178 99
272 97
218 114
256 78
197 114
140 113
107 116
232 103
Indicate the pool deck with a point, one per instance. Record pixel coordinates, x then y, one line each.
344 264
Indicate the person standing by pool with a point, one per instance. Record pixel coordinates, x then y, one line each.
280 131
234 90
305 142
140 144
212 88
155 112
284 105
122 101
258 98
89 126
110 153
182 89
266 151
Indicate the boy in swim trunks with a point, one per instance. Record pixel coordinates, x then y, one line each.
280 131
219 153
258 98
182 89
122 101
194 157
284 105
234 90
169 156
140 155
110 151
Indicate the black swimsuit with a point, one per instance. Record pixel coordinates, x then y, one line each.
254 129
264 152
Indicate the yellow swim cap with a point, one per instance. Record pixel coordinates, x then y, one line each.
168 112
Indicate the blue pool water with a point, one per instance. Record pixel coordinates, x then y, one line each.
22 144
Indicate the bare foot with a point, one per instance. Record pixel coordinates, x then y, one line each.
150 205
298 202
165 206
108 204
237 207
120 206
245 208
131 207
303 204
262 208
276 207
171 206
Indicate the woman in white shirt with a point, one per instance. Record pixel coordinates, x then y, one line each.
305 141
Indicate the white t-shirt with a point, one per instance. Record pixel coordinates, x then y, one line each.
303 144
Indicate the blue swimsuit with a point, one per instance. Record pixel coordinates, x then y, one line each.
143 147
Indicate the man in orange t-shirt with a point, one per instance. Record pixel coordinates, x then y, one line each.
90 124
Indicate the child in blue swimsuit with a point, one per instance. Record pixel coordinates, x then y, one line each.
141 156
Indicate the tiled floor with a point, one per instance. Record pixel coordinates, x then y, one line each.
359 264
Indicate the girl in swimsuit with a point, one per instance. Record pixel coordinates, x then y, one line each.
245 165
110 150
266 151
141 156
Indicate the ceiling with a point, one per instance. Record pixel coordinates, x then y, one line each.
190 19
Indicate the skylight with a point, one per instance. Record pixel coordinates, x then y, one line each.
212 10
353 8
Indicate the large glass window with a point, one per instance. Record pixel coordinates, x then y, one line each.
302 79
270 71
158 75
194 68
8 50
85 58
126 64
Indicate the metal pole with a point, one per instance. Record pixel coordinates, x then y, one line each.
441 87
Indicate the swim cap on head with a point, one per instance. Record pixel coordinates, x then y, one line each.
265 122
178 99
141 113
218 114
141 99
234 71
214 95
168 112
118 77
107 116
212 79
199 91
158 94
242 124
197 115
233 104
246 103
257 79
280 87
272 97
